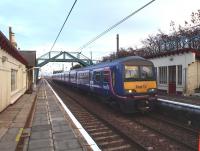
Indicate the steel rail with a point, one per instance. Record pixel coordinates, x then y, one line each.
120 133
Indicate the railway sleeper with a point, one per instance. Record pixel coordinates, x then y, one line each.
94 126
102 138
97 129
109 139
89 123
98 134
111 142
119 148
86 116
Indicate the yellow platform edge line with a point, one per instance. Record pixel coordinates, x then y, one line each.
19 134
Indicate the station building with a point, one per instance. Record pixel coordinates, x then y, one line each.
178 72
14 75
30 56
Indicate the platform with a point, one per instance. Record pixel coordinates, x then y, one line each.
40 126
192 100
13 120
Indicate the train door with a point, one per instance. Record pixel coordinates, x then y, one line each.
113 79
91 81
172 79
97 81
106 76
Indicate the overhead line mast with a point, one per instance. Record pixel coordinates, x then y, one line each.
113 26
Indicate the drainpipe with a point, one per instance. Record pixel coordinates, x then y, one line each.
185 80
185 84
198 85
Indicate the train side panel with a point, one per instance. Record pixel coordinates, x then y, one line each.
83 80
73 78
66 77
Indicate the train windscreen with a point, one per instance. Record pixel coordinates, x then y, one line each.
135 73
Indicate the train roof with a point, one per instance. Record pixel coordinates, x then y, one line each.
133 59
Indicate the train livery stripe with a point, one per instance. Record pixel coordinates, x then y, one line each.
139 86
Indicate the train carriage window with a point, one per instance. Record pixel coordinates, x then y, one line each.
84 77
106 76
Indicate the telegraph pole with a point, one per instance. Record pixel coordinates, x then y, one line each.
91 55
117 45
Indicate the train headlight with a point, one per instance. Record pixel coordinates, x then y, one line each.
129 91
152 90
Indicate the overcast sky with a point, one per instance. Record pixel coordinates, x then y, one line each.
36 23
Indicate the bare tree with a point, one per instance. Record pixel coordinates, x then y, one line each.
187 36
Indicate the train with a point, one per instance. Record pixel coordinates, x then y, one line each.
128 82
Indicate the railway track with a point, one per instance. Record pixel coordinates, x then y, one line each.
178 133
167 120
186 113
106 136
113 131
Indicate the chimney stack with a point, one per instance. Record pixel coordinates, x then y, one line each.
12 37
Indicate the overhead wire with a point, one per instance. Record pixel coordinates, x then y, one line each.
63 24
113 26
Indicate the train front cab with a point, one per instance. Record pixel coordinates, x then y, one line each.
139 87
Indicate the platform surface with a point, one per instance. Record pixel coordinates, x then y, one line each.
49 129
13 120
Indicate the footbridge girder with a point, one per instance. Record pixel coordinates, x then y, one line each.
63 56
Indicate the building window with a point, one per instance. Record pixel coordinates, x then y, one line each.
163 75
179 74
13 79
